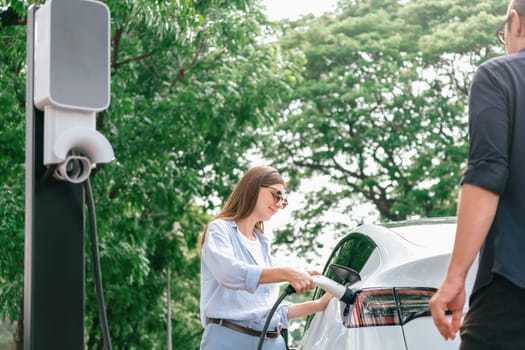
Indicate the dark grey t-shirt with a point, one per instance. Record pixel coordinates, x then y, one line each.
497 162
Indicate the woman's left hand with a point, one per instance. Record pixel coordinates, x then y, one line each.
324 300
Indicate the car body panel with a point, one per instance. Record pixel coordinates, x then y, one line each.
327 332
431 339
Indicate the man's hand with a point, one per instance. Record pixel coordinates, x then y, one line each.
450 297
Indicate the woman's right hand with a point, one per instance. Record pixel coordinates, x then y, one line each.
300 280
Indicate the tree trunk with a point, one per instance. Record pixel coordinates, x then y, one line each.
19 334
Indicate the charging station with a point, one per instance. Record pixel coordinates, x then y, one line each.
68 81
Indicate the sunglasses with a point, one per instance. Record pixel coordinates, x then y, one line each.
278 196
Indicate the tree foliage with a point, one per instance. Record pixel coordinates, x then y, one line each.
191 82
372 98
382 109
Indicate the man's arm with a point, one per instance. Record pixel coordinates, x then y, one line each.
476 211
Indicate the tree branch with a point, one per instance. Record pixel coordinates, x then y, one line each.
132 59
185 68
116 46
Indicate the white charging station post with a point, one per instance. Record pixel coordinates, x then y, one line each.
68 81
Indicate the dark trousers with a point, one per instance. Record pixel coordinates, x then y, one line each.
496 318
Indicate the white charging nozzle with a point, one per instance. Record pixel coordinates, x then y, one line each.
339 291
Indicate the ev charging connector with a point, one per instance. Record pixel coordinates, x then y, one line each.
72 83
339 291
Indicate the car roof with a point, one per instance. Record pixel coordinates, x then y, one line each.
432 233
421 236
407 248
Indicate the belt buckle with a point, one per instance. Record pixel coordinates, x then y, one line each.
275 333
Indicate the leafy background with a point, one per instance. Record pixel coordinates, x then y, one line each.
371 98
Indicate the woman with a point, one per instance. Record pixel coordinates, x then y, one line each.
239 285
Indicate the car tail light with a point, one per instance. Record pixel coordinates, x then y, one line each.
387 307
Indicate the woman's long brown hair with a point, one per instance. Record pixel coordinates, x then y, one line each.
242 200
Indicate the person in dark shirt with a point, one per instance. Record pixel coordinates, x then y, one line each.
491 209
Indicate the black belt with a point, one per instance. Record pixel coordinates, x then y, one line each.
236 327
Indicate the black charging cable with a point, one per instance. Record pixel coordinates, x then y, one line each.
48 173
289 290
96 265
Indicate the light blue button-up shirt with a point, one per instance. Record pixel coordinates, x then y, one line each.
230 277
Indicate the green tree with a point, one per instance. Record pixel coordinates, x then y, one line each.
191 82
382 109
12 140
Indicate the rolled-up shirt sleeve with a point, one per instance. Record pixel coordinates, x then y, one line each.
219 257
488 160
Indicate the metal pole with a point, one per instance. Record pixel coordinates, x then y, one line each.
54 240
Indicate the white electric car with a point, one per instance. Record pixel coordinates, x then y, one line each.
394 269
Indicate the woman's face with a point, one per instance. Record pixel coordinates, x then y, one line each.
269 201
